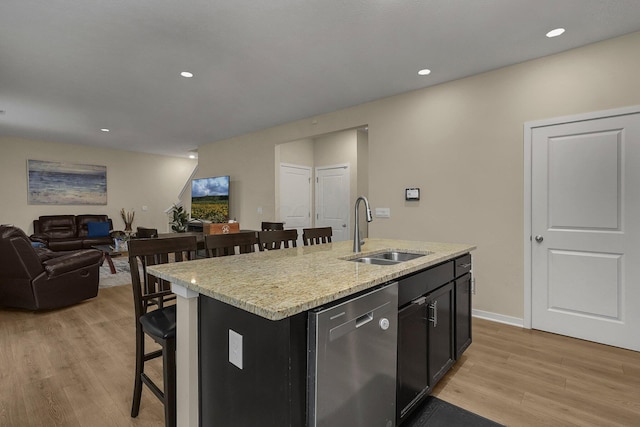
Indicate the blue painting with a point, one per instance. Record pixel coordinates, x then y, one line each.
56 183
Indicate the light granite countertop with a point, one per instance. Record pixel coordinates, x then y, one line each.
281 283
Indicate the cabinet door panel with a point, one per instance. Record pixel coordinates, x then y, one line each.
463 314
412 356
440 332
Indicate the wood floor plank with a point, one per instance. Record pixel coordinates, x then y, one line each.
74 367
47 405
581 383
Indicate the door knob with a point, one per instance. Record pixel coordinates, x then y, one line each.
539 238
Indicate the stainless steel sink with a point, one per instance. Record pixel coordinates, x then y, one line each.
388 258
376 261
398 256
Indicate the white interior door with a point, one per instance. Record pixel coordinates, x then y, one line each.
585 226
295 197
332 200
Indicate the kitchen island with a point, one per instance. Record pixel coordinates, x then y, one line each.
270 292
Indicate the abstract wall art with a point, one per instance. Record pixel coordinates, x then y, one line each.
59 183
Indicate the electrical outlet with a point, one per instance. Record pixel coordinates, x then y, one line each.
235 348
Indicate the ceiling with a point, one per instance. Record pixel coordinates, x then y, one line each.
69 68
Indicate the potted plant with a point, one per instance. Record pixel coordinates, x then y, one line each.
127 217
180 219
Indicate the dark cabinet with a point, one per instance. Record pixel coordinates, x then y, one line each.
463 313
412 377
434 328
425 346
440 333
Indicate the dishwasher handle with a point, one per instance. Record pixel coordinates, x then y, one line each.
358 322
364 319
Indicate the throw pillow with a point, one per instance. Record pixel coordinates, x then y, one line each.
98 229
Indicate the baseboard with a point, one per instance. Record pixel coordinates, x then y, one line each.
500 318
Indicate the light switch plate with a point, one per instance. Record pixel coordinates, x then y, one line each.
383 212
235 348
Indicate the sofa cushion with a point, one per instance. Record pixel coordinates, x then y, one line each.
82 223
58 226
98 229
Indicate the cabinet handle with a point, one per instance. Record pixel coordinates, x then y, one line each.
467 265
434 306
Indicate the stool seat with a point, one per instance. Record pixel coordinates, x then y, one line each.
160 323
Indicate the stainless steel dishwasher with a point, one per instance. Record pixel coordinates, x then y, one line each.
352 361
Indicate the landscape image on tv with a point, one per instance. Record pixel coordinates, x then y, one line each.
210 199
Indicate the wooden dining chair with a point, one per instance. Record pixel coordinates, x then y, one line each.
217 245
277 239
316 236
154 317
267 226
146 233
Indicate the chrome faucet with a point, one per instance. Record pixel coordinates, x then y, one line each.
357 243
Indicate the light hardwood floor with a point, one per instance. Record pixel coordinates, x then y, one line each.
74 367
521 377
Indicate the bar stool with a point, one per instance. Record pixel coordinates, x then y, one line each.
218 245
268 240
158 323
316 236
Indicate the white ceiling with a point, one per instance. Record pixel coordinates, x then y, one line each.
69 68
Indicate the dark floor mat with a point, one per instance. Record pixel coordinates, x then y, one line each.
438 413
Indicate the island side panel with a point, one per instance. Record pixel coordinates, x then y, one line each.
270 389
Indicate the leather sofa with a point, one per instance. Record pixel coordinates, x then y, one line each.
70 232
40 279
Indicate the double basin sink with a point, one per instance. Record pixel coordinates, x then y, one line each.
388 257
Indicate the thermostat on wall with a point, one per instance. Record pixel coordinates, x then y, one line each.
412 194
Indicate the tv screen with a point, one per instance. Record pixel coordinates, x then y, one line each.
210 199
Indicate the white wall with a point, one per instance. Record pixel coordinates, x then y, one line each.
133 180
297 153
460 142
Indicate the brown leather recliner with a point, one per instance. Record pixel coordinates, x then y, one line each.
38 279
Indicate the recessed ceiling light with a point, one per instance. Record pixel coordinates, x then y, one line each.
192 156
104 130
555 33
424 72
186 74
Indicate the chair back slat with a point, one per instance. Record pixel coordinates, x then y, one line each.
316 236
230 244
277 239
147 288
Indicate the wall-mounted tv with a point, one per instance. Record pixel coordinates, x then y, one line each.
210 199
